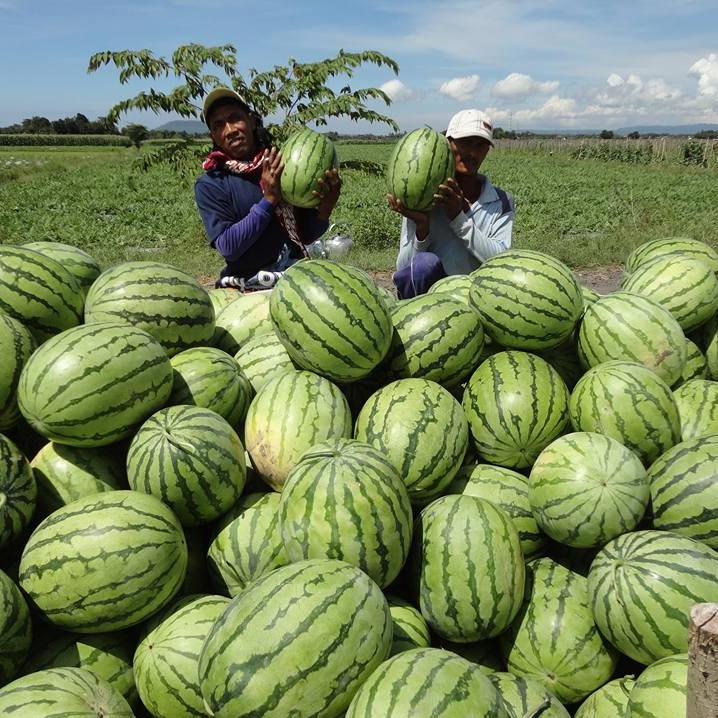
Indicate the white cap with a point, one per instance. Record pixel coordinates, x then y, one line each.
471 123
220 93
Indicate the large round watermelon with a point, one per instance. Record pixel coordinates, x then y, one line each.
307 156
670 247
331 318
17 343
299 641
419 163
93 385
82 265
104 562
163 300
18 492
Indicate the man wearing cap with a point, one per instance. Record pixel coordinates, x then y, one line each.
470 221
239 198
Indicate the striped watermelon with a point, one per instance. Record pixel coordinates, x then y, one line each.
331 319
456 285
589 295
660 691
290 414
15 628
221 296
343 499
623 326
684 490
166 658
437 337
420 161
420 427
17 343
469 568
191 459
299 641
39 292
527 697
410 630
509 490
82 265
696 366
587 488
630 403
161 299
527 299
65 473
92 385
707 338
18 492
609 701
249 545
59 692
212 379
687 287
107 655
427 682
516 404
697 401
307 156
642 586
242 319
554 638
670 247
261 358
104 562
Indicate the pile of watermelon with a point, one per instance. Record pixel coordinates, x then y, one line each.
496 499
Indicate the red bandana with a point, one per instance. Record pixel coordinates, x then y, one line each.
216 159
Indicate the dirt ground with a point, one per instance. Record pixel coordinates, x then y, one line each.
603 280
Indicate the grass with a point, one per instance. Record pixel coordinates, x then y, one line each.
585 212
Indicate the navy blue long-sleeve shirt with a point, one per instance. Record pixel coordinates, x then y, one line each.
242 225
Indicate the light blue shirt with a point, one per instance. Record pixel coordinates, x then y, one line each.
466 241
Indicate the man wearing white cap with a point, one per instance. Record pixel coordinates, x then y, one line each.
470 221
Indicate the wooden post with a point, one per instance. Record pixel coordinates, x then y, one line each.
702 689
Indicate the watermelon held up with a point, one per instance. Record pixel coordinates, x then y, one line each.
419 163
307 156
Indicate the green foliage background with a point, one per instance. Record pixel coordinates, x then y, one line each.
585 212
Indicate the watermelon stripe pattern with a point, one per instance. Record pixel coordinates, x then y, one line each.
611 699
307 155
410 628
554 639
15 628
125 550
83 266
62 692
697 401
630 403
684 490
39 292
516 404
419 163
93 385
18 343
242 319
436 337
293 665
670 247
165 661
470 568
261 358
428 446
191 459
18 492
661 689
642 586
623 326
528 300
346 330
527 697
427 682
161 299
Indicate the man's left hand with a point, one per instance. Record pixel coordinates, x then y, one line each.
450 197
328 193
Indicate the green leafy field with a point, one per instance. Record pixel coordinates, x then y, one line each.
585 212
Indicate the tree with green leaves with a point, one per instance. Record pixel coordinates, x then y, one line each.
289 97
137 133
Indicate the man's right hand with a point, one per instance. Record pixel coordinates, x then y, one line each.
272 167
419 218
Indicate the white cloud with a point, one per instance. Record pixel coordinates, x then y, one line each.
462 89
706 70
517 85
398 91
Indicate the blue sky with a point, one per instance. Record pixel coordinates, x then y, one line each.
532 64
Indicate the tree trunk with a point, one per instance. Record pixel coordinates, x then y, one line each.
702 689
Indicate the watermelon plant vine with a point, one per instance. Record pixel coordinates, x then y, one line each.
293 95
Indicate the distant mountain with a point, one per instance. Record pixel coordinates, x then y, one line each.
667 129
191 127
